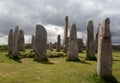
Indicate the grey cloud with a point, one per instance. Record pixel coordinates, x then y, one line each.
27 13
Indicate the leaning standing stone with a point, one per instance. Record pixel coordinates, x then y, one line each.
33 42
58 46
10 42
90 41
50 46
40 43
104 62
73 44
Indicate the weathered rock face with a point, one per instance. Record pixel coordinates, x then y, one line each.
40 43
50 46
58 46
73 44
104 62
90 41
10 42
65 40
15 42
33 42
80 44
21 41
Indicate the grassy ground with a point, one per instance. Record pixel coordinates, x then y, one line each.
56 71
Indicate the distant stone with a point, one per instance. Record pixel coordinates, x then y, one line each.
90 41
96 40
104 62
40 43
50 46
33 43
73 44
80 44
10 42
21 41
65 40
58 46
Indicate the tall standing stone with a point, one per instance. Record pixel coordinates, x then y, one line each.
21 41
90 41
104 62
10 42
40 43
50 46
58 46
73 44
33 42
80 44
65 40
15 42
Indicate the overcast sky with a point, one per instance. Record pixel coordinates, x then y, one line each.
51 13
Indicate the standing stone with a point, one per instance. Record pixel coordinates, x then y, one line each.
50 46
104 62
96 40
15 43
33 43
90 41
40 43
58 46
65 40
10 42
80 44
54 45
21 41
73 44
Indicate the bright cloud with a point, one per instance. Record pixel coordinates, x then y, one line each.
51 13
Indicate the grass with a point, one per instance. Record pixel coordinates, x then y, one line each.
57 70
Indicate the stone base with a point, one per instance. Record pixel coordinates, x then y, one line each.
41 60
14 57
76 59
91 58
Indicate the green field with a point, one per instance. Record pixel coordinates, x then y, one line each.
57 70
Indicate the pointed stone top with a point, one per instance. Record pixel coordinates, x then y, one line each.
90 25
11 30
21 31
58 34
41 28
38 25
105 27
17 27
107 21
90 22
73 32
66 17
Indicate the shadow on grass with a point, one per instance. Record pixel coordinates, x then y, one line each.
19 61
116 60
1 61
110 80
79 61
83 62
91 59
98 79
116 56
44 62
